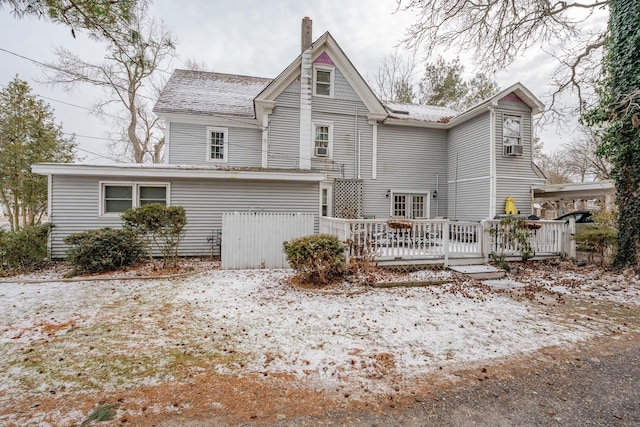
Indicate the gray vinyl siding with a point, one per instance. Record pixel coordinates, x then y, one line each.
75 207
341 111
409 160
342 89
515 175
189 145
520 190
284 129
75 204
469 161
205 201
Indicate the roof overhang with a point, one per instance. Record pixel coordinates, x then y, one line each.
416 123
206 119
173 171
327 43
519 89
573 191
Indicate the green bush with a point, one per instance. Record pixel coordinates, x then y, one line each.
24 250
161 228
511 233
596 238
106 249
318 258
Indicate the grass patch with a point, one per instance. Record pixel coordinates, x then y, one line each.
104 412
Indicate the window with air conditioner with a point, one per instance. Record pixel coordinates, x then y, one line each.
512 135
322 139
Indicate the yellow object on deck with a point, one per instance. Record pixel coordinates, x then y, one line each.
510 206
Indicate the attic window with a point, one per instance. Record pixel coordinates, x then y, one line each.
323 81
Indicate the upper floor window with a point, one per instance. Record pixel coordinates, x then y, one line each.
512 135
217 144
118 197
322 140
323 81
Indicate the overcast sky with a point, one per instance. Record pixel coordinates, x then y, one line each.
250 37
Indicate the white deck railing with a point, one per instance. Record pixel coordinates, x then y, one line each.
440 240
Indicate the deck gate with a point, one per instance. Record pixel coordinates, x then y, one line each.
254 240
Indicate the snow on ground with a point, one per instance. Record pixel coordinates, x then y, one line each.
94 336
345 338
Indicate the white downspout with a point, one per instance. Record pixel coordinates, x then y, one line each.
492 163
167 143
265 141
374 154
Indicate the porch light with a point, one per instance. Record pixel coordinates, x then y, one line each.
435 194
387 194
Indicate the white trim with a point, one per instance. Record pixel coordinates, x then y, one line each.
329 187
327 43
493 189
374 154
225 146
409 202
135 194
332 72
265 141
519 143
167 142
49 211
479 178
175 171
416 123
520 178
209 120
314 124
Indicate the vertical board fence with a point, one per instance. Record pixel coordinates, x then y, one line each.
254 240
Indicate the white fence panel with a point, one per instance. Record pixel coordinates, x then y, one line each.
254 240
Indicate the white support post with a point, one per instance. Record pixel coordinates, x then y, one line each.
445 240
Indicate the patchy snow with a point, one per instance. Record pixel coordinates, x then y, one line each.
90 337
200 92
424 113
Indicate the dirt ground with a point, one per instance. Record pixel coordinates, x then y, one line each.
593 382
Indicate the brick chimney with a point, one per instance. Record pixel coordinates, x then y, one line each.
306 33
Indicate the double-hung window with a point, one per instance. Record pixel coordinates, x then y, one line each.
512 135
322 139
217 144
323 81
118 197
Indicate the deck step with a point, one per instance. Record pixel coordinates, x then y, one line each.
479 272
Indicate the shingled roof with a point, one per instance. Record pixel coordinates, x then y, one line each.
206 93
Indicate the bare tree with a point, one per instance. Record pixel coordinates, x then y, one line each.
554 167
136 54
582 160
497 32
194 64
394 79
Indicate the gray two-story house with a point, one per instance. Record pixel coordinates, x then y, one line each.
315 139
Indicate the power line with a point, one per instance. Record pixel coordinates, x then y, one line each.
42 64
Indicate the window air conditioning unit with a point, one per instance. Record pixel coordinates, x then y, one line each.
322 151
513 150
